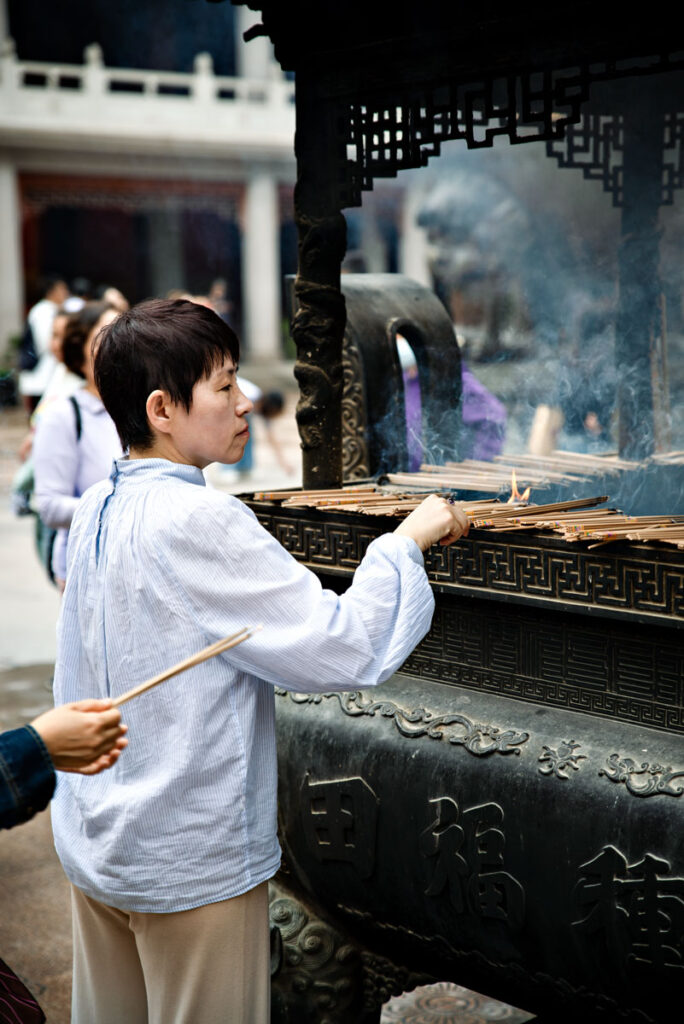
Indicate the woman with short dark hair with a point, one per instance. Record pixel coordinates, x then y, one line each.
170 854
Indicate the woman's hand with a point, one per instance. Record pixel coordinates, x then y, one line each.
435 519
86 736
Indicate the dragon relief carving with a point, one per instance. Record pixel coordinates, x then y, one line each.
477 738
644 779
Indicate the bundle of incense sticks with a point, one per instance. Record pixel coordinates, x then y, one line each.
668 458
346 492
507 517
485 513
577 519
401 505
581 464
379 502
343 499
668 529
454 477
367 499
535 472
601 526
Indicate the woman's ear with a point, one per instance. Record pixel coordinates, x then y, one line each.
159 411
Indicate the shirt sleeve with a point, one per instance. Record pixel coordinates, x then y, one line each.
236 574
27 776
55 464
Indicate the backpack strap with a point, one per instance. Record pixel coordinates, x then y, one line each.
77 414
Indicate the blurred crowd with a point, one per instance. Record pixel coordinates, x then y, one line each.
71 440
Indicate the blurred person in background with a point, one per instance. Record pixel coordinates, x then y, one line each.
218 297
37 370
112 296
412 403
81 289
62 381
482 414
587 388
75 440
484 419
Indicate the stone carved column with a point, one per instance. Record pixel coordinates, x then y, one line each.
261 268
166 260
319 319
413 245
11 271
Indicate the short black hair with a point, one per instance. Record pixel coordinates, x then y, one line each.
78 327
165 344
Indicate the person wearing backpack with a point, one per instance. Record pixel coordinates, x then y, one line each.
75 441
62 384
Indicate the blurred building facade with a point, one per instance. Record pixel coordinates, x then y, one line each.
142 167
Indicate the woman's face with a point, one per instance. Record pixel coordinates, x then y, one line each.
106 318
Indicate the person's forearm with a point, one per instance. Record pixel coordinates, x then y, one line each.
55 509
27 776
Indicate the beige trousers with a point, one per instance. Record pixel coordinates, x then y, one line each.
210 965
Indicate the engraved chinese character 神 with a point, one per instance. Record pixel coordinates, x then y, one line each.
468 861
340 818
636 909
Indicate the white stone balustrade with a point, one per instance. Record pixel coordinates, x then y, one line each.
91 119
103 104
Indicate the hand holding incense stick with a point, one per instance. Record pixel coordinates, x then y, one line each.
195 659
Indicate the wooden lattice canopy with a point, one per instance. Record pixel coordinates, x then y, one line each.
381 84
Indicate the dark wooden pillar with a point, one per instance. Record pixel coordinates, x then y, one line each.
319 319
639 339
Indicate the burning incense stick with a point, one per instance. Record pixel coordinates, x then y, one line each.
195 659
511 514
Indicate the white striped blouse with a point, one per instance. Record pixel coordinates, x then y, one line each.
159 566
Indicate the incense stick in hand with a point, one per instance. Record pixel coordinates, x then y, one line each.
195 659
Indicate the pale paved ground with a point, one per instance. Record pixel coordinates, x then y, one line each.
35 936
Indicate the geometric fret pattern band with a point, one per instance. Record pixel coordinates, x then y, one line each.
547 623
646 583
557 660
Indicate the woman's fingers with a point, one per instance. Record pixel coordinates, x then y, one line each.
435 519
78 734
461 525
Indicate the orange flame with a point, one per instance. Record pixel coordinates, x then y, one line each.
515 493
